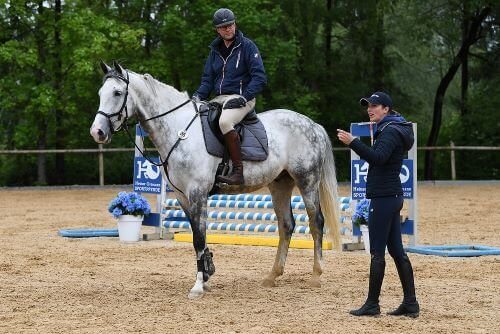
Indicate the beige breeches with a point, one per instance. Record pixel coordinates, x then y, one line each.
230 117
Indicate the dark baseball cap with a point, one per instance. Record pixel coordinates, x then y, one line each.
377 98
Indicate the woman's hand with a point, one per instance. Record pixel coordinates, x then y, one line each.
344 136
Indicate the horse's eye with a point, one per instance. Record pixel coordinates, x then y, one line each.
118 93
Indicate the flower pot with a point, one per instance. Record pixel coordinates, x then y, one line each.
366 237
129 228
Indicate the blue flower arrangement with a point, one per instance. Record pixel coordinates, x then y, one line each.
129 204
360 216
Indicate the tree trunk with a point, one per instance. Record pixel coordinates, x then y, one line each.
437 115
147 39
378 50
40 78
58 87
326 76
120 4
464 86
465 64
328 39
474 34
42 157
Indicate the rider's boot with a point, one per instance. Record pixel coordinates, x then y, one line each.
371 306
409 307
233 144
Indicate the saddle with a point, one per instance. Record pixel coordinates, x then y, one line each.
253 137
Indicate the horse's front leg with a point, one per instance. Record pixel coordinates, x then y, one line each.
204 264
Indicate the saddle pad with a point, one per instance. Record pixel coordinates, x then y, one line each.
253 140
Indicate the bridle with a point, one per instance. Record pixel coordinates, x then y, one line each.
181 135
114 74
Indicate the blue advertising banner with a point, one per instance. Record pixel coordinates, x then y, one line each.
147 177
406 177
363 129
359 171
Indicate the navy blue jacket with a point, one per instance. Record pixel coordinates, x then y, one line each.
241 73
393 139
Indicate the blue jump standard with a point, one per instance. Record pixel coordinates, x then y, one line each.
88 233
454 250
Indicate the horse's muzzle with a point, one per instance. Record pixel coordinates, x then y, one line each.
99 135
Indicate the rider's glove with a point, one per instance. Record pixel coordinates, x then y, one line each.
196 98
235 103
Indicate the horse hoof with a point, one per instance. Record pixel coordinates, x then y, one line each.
315 283
268 283
195 294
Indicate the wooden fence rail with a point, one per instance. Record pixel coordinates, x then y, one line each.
101 151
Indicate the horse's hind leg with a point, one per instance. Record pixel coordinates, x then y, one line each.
281 191
310 194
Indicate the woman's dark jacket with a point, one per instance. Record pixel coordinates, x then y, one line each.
393 139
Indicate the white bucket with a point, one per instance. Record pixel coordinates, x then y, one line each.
129 228
366 237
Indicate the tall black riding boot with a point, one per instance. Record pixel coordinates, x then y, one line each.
233 144
409 307
371 306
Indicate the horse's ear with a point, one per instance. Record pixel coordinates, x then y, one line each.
117 67
105 68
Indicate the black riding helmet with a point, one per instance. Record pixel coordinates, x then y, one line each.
223 17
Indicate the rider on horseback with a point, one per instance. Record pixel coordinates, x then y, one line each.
235 73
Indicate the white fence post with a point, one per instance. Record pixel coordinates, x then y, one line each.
101 165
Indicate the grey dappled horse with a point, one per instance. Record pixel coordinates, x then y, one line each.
300 154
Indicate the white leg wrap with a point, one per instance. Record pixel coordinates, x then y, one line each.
197 290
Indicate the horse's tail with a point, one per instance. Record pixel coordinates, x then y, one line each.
329 196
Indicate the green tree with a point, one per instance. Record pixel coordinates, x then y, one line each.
320 57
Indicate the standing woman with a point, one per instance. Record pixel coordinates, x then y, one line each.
393 139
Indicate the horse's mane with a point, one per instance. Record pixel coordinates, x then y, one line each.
154 85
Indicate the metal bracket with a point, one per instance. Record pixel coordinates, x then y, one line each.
182 134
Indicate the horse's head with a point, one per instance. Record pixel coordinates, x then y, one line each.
115 103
